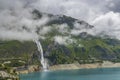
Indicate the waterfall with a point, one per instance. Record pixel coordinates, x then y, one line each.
42 59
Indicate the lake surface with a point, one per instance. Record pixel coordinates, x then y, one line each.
84 74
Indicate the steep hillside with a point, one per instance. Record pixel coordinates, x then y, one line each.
65 40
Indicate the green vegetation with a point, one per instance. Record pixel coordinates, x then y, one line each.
91 50
84 49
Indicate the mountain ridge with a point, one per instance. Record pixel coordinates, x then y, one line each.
66 42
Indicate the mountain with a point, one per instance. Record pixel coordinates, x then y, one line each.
60 19
66 40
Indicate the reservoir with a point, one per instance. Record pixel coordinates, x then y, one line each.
82 74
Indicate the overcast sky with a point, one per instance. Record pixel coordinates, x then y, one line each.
80 9
103 14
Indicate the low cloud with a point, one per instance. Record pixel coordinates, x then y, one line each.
17 23
108 24
64 40
61 40
15 35
104 15
16 20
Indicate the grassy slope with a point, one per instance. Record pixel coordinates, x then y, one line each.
91 48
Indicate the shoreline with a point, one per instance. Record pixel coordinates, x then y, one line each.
105 64
74 66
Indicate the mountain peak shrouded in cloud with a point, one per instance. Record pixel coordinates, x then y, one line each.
69 30
38 24
17 15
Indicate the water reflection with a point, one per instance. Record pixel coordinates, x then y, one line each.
44 75
84 74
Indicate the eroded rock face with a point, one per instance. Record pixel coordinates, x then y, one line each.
105 64
34 68
29 69
5 75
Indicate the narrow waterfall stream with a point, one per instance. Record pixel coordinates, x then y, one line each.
41 57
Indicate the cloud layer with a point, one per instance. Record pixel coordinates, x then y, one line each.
104 15
16 21
15 14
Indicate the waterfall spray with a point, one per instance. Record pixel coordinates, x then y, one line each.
42 59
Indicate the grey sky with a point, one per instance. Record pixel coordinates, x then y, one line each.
80 9
103 14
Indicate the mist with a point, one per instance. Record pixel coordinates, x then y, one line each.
17 21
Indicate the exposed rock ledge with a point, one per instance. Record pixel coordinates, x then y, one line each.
105 64
30 69
4 74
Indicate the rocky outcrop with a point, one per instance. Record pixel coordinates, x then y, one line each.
30 69
74 66
7 76
105 64
33 68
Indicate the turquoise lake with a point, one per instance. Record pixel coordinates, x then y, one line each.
84 74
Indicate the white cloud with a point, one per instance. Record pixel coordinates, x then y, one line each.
60 39
15 35
96 12
108 23
14 14
64 40
79 9
63 28
13 19
45 30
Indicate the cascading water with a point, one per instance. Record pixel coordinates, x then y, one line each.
42 59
